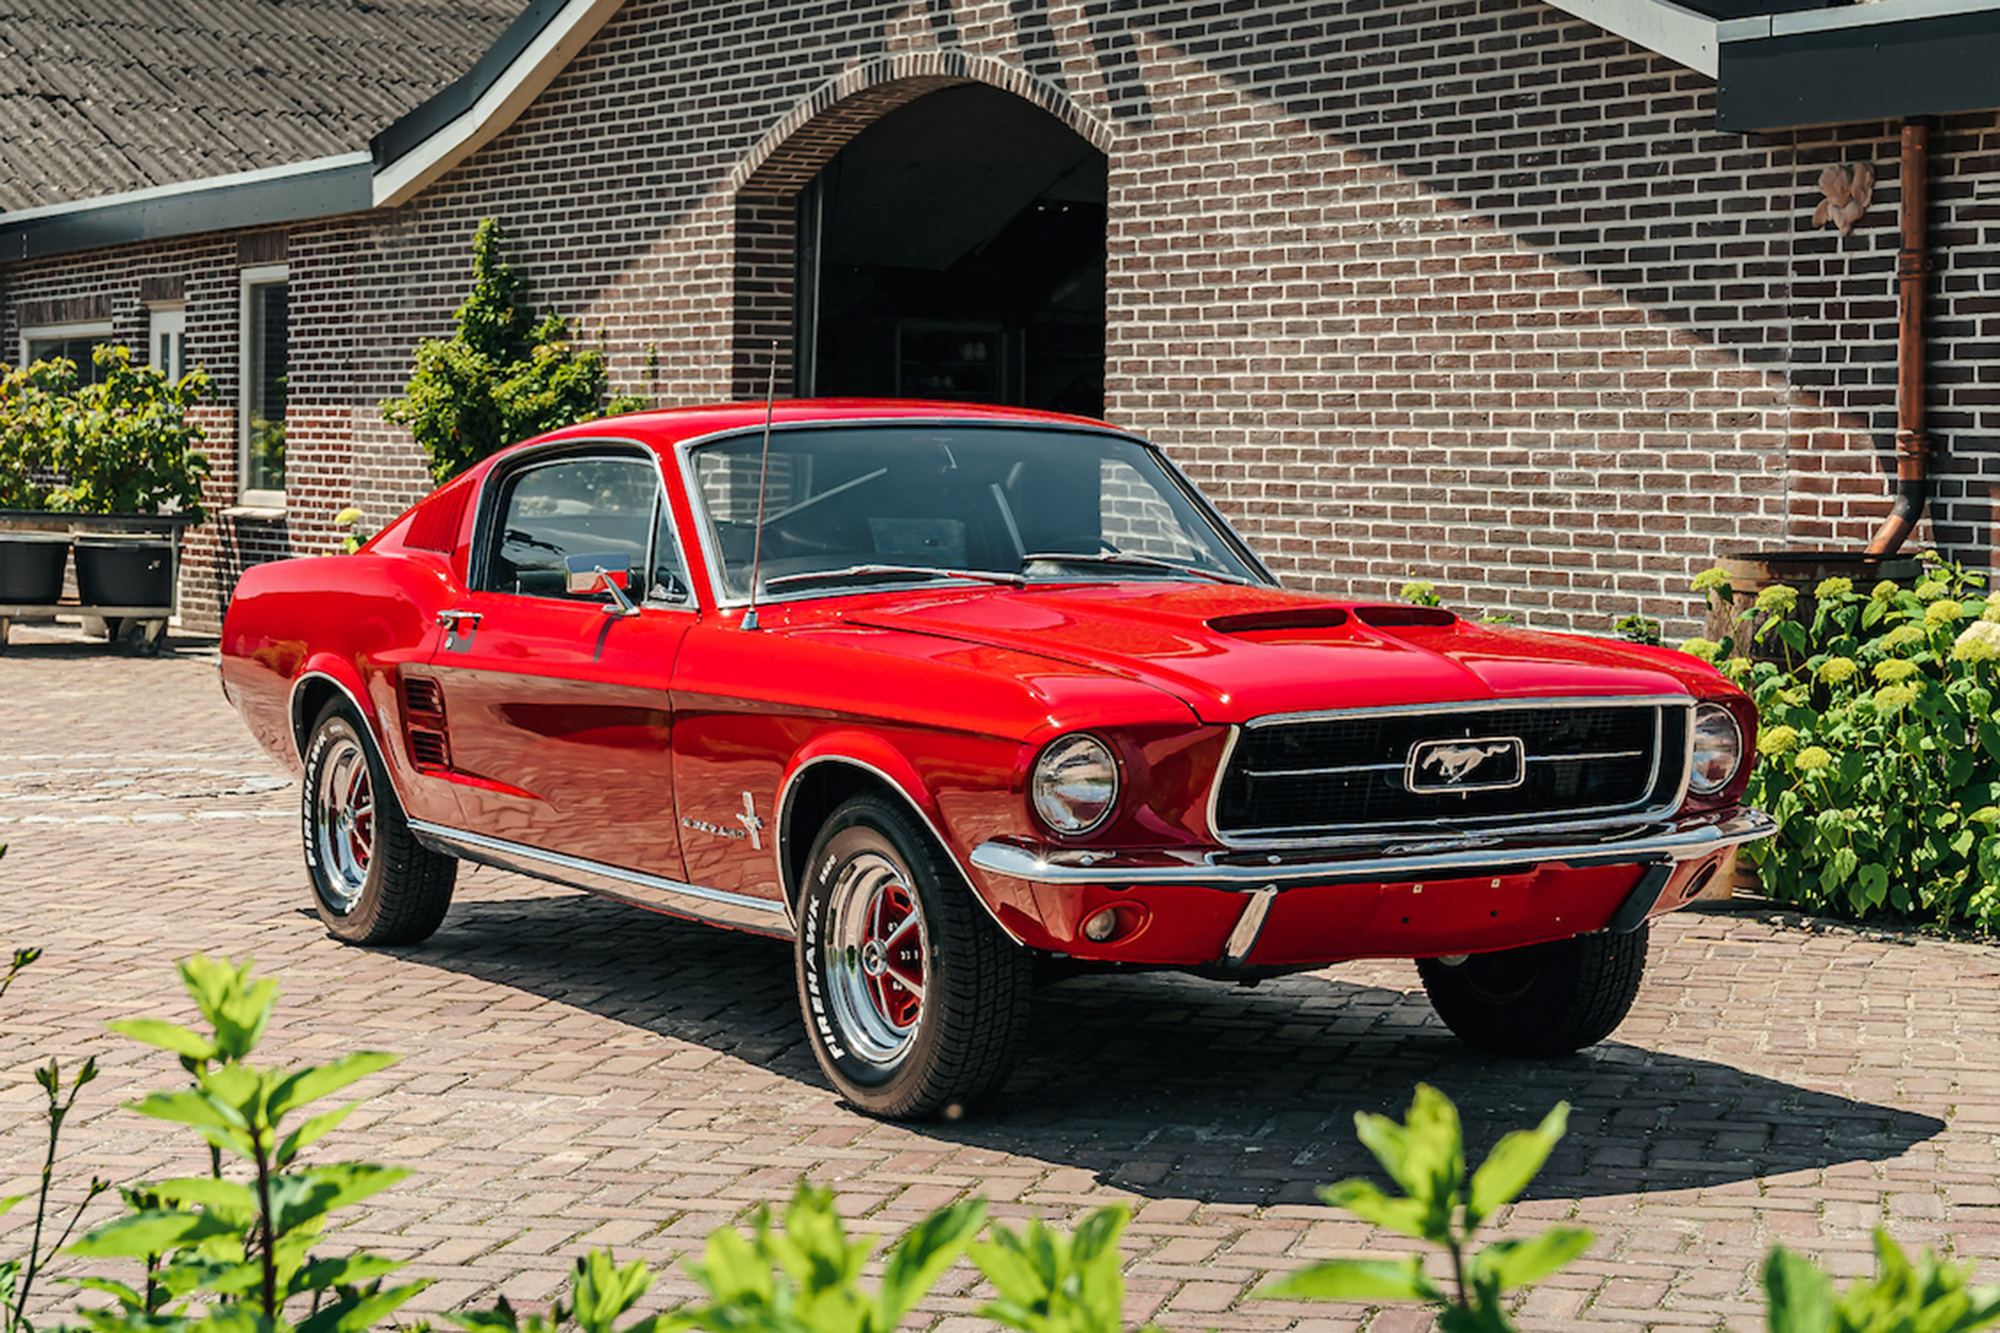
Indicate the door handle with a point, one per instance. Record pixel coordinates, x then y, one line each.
452 620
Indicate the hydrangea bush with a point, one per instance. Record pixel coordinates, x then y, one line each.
1879 755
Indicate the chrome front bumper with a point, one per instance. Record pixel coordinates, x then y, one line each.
1688 839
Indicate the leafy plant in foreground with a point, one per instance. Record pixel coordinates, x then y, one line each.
1048 1282
232 1256
1903 1297
600 1291
17 1276
1443 1206
804 1277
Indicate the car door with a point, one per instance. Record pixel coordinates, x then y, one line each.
556 700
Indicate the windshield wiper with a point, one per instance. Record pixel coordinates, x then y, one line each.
1124 560
875 573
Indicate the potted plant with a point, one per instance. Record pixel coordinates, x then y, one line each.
125 445
31 559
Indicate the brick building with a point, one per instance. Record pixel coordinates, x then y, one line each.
1525 299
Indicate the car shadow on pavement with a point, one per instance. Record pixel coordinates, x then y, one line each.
1171 1086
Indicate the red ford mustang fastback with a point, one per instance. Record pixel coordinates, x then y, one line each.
944 692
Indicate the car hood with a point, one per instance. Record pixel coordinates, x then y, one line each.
1236 653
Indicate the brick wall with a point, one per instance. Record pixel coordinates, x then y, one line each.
1465 291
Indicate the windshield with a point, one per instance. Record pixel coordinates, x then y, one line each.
861 506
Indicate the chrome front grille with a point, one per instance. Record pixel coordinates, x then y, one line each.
1379 771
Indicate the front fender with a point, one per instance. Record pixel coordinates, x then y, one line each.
851 761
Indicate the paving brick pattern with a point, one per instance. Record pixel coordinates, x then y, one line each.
578 1073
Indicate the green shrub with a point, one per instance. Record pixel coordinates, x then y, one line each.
1879 754
502 377
123 445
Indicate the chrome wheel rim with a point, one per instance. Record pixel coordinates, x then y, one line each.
344 823
877 962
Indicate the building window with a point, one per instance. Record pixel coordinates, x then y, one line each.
75 341
261 403
166 344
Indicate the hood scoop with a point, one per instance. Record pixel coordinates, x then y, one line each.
1389 615
1280 620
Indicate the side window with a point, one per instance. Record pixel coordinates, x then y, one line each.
670 581
548 512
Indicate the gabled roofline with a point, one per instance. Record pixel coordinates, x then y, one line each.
456 123
410 154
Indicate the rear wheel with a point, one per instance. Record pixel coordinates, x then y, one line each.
914 1001
1542 1000
373 882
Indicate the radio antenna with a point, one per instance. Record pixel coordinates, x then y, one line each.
763 477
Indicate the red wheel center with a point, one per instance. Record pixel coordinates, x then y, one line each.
892 958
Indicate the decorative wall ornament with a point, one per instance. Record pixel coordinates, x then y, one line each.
1848 190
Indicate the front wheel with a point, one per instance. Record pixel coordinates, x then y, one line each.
914 1001
1543 1000
373 882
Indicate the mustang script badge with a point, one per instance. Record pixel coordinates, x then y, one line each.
1489 763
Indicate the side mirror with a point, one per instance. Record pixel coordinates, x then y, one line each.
593 572
607 572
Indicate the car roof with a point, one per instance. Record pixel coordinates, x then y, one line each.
671 426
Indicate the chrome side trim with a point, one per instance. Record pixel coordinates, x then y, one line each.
1447 857
762 916
782 843
1249 926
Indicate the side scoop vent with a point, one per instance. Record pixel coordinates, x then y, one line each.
423 719
421 695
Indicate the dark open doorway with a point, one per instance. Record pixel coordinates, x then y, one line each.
955 249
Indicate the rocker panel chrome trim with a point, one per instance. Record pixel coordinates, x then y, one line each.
714 906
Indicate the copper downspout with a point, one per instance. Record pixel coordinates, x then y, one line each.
1913 264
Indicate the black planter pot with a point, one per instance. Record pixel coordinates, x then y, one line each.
31 567
113 571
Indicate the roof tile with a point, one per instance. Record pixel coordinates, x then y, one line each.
102 96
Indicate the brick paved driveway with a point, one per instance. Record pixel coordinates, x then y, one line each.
578 1073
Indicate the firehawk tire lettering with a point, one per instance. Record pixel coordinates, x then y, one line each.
962 1037
372 881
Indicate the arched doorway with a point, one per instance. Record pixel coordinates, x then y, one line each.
955 249
926 238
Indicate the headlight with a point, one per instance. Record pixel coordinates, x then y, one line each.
1075 784
1718 749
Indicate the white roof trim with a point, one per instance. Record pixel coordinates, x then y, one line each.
201 186
1848 16
508 96
1681 35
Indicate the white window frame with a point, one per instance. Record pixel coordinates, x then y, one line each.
98 330
167 320
251 278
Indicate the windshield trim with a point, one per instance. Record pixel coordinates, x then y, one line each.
712 554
